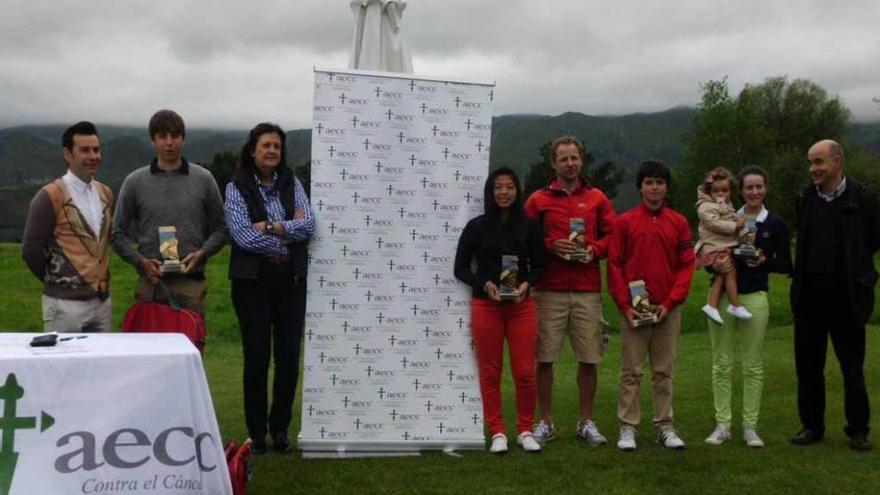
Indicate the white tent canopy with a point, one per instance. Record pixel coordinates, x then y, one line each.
377 43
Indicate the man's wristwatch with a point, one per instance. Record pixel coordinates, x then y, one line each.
270 227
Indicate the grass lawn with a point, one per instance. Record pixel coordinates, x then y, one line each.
566 465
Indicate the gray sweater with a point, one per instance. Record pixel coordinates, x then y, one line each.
187 199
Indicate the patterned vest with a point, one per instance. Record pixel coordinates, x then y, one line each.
79 257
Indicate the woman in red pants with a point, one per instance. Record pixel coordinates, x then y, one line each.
508 248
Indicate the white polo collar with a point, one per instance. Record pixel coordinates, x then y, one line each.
761 216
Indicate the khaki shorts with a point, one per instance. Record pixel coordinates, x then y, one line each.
555 310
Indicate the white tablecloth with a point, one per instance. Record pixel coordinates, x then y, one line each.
118 413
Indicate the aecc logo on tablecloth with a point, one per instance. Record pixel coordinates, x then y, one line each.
123 449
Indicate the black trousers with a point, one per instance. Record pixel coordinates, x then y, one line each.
272 307
824 311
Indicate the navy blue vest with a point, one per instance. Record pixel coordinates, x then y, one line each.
246 265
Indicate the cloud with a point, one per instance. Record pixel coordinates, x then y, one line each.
231 64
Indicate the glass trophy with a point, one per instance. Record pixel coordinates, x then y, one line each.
577 228
509 273
645 311
746 250
168 251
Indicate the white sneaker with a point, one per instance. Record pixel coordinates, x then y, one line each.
739 311
713 314
528 442
544 432
752 439
627 440
499 444
588 431
719 436
669 438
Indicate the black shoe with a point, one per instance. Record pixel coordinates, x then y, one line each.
258 446
281 444
806 437
860 442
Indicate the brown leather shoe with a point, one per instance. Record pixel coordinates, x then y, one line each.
806 436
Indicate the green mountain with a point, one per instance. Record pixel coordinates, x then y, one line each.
31 155
626 140
26 158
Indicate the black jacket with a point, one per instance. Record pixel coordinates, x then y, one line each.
860 229
479 242
246 265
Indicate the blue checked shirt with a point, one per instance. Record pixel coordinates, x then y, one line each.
245 236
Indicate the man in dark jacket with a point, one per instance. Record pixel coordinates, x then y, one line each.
832 291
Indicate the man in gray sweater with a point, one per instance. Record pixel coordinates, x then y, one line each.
169 192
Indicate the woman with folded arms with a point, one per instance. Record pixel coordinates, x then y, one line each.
269 220
508 248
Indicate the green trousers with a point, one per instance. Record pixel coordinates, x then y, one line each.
748 335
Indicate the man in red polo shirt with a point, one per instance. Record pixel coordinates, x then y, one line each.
651 243
568 296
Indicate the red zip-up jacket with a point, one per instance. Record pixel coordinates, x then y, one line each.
654 246
554 207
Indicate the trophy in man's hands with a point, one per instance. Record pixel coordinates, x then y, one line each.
746 250
509 272
645 312
168 251
578 229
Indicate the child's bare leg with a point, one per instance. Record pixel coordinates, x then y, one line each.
715 290
731 288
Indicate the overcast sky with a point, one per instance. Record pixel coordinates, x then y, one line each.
232 63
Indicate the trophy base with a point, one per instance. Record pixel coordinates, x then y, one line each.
170 267
745 253
583 257
508 295
644 320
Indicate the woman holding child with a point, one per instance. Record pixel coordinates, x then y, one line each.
751 286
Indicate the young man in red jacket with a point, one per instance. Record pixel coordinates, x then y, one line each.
651 243
569 294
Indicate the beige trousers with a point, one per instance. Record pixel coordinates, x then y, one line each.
657 343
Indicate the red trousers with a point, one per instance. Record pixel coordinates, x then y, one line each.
491 322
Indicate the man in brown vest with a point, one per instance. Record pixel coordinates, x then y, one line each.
66 239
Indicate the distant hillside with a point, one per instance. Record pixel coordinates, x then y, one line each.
26 158
30 155
867 136
625 140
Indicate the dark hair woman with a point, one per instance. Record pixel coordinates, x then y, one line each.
752 278
269 220
508 248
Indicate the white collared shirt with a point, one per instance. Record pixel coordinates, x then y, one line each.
86 198
829 197
761 216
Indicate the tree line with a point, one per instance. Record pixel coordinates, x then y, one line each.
771 124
